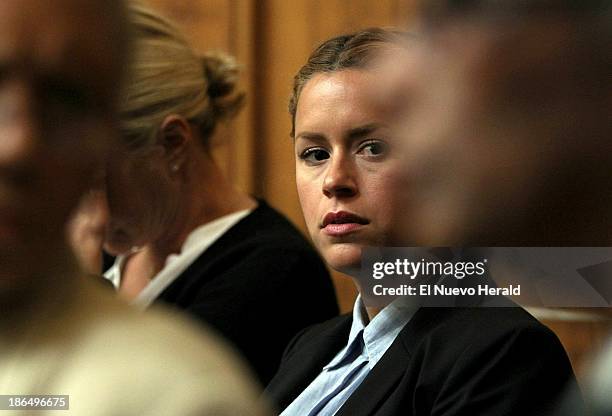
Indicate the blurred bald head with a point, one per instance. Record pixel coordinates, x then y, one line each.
89 33
510 140
60 67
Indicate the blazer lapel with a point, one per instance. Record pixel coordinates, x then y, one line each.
384 378
379 383
302 367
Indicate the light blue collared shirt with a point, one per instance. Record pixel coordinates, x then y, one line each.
367 343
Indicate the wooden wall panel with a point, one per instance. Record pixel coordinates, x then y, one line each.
206 23
582 331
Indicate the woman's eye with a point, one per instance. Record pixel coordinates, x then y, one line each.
374 148
314 155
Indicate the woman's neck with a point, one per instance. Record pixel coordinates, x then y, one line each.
371 310
203 201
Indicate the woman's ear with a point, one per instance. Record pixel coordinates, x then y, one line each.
174 137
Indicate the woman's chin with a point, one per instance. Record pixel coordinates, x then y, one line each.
344 258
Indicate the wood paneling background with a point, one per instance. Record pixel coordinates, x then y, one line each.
272 39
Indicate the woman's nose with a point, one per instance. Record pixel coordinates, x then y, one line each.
340 179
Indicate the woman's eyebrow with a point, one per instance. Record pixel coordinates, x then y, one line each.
361 131
352 134
307 135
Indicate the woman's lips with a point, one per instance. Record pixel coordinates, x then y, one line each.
337 224
338 230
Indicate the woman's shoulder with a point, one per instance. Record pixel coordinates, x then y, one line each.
476 330
268 225
330 331
267 239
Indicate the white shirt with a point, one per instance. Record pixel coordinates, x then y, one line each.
197 242
367 343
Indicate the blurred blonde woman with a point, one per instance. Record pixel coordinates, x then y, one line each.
182 233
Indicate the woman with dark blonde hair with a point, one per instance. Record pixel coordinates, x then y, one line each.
183 234
396 358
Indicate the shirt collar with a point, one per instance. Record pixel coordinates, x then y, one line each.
360 320
204 235
196 243
380 333
377 335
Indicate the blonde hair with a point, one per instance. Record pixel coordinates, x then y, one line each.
355 50
167 77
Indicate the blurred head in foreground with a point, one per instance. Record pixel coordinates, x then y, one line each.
509 138
60 64
348 171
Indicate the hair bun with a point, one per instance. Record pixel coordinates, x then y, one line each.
221 73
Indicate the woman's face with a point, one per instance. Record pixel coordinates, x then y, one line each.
141 199
347 169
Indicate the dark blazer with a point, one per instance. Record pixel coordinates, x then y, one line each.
445 361
256 285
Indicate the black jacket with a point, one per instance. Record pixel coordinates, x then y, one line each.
257 285
445 362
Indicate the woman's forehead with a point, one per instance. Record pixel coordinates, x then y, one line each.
344 100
